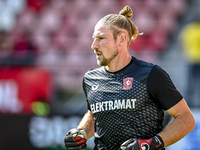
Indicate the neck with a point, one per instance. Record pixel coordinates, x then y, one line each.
119 62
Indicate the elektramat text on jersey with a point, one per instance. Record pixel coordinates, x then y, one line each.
112 105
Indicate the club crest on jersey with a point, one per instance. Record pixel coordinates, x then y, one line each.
127 82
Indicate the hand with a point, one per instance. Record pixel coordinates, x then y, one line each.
154 143
75 139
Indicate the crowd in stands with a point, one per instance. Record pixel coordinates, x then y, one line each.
57 34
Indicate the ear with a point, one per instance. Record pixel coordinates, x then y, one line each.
122 39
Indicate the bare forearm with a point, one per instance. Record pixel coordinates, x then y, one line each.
177 129
87 124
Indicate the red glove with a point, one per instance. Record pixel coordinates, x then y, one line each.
75 139
154 143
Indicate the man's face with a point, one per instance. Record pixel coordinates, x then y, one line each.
104 45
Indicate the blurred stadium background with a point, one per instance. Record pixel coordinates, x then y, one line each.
45 51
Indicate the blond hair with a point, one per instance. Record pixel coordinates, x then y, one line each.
121 21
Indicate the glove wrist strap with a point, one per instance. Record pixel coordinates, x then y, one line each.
158 142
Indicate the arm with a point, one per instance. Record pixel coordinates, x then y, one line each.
76 138
87 124
182 124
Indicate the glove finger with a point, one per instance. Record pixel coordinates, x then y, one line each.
84 145
75 143
70 138
126 143
130 144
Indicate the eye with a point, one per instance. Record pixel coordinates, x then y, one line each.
100 38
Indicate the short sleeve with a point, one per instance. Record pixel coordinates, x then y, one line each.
84 90
161 88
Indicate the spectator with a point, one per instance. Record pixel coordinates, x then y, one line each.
190 38
6 47
24 49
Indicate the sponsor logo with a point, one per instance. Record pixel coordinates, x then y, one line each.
94 87
127 82
113 104
9 98
145 146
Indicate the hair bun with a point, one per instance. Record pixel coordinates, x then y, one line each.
127 12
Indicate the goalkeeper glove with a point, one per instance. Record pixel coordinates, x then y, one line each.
154 143
75 139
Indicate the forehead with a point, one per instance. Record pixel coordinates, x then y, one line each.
101 29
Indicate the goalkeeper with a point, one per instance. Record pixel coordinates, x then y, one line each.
126 96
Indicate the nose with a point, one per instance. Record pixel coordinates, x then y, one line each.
95 44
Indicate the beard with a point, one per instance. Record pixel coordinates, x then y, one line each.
106 61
